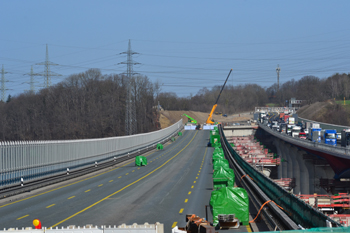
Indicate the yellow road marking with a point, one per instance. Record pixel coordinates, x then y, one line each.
127 174
189 192
71 197
133 170
88 190
100 185
181 210
194 181
111 181
79 181
50 206
199 171
151 161
198 174
196 177
138 168
192 187
119 177
174 225
23 217
248 228
186 200
138 180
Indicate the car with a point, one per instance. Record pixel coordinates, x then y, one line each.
225 115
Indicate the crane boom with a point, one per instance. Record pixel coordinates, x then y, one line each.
209 120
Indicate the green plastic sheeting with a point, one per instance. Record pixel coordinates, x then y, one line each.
220 163
140 161
214 139
217 149
223 177
179 133
159 146
218 156
230 200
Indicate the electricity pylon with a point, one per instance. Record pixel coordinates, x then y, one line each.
47 72
130 111
3 87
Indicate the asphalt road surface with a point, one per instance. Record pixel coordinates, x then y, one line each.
177 181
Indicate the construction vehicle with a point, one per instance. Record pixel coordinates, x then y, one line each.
210 120
190 119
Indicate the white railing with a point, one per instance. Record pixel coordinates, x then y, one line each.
34 159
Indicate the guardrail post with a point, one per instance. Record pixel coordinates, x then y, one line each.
22 181
95 164
67 171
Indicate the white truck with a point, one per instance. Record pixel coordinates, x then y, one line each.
291 120
295 131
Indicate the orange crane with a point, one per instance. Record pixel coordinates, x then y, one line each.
209 120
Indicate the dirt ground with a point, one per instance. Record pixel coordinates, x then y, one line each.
168 118
313 110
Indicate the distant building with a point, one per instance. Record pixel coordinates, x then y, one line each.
294 103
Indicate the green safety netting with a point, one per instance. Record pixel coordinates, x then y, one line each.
230 200
140 161
179 133
223 177
220 163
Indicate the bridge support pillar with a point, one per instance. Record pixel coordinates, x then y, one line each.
304 174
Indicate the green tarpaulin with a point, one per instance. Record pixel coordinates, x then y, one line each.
220 163
140 161
214 139
223 177
230 200
217 156
218 150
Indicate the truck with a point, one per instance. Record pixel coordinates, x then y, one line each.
285 118
283 128
345 137
289 130
330 137
302 135
315 134
291 120
295 131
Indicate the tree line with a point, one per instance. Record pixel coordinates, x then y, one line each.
85 105
245 97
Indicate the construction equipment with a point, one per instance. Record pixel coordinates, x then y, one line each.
209 120
190 119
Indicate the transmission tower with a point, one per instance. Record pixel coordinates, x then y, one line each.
130 111
31 82
47 72
3 87
278 69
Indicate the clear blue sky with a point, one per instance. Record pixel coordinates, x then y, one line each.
185 45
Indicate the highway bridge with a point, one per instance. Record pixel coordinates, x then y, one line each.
177 181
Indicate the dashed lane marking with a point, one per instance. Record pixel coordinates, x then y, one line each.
50 206
189 192
88 190
174 225
110 181
71 197
127 186
186 200
100 185
23 217
181 210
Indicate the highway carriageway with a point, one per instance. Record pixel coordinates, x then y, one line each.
177 181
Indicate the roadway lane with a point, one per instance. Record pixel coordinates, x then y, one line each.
61 201
177 181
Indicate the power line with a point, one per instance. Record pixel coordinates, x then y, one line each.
130 111
3 87
47 72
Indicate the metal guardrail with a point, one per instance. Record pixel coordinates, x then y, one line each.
325 125
333 150
37 159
